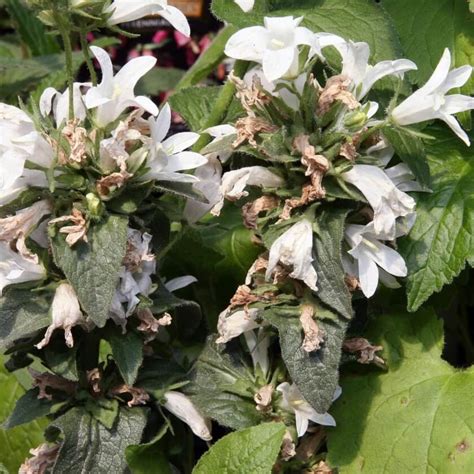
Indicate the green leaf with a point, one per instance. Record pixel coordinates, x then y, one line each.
411 150
328 261
105 411
442 239
31 30
194 104
253 450
127 351
93 268
358 20
90 447
28 408
417 417
208 61
426 27
316 373
159 79
219 371
22 314
15 443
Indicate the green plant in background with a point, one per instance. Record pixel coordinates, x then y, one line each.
315 208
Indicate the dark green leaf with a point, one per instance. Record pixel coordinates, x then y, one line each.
28 408
159 79
90 447
411 151
442 239
127 351
22 314
332 289
217 371
253 450
316 373
105 411
93 268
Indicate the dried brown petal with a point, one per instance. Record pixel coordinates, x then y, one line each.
351 282
54 382
248 127
336 90
139 395
251 96
263 398
76 137
321 468
149 325
366 351
251 210
288 447
44 457
94 378
313 336
113 181
75 232
348 151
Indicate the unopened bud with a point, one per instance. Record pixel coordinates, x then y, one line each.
355 120
94 205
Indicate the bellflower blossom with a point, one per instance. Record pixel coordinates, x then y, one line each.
293 401
116 93
274 45
387 201
295 248
167 156
232 324
355 66
130 10
371 254
432 102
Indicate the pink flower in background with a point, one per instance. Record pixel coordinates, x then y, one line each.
160 36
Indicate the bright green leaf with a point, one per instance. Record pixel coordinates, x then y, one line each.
93 268
253 450
416 417
442 239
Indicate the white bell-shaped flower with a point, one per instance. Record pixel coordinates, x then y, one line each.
293 402
130 10
114 94
432 102
232 324
183 408
388 202
355 66
372 256
295 249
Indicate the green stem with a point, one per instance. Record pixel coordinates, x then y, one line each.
222 105
87 57
65 34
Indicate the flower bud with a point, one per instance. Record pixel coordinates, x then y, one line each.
355 120
94 205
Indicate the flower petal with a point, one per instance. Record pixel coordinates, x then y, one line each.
177 19
248 44
180 141
276 63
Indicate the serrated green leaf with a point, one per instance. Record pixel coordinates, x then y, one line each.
90 447
127 351
195 104
442 239
207 61
217 371
316 373
93 268
411 150
28 408
426 27
253 450
22 314
15 443
417 417
332 289
358 20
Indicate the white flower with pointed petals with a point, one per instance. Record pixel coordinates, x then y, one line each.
54 101
65 312
130 10
246 5
387 201
295 248
355 66
431 102
116 93
234 183
183 408
180 282
167 156
232 324
402 177
293 402
371 254
14 268
258 343
274 45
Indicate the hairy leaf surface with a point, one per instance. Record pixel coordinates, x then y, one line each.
416 417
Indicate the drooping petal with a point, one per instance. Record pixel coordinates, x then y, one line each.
368 274
180 282
180 141
106 68
248 44
453 124
160 127
127 78
177 19
276 63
